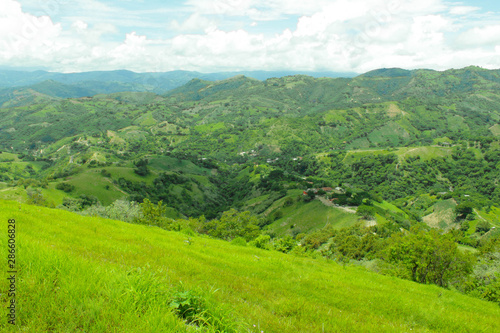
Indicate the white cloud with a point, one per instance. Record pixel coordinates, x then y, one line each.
23 35
259 10
340 35
79 26
463 10
195 23
480 36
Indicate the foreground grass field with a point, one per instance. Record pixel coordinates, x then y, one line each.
81 274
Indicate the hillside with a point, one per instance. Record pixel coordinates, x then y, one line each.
92 274
76 85
407 140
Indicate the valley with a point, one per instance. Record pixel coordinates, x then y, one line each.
381 188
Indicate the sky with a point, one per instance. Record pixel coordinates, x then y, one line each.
236 35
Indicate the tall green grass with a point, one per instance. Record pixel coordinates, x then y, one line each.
85 274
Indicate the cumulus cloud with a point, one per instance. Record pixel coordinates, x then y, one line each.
339 35
23 35
488 36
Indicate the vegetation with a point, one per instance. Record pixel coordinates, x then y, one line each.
394 172
93 274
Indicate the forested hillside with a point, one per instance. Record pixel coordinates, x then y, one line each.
395 171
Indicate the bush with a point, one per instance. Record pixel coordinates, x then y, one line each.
105 173
262 242
233 224
240 241
483 227
288 202
153 214
277 215
65 187
285 244
35 197
427 257
198 309
142 167
121 210
463 210
366 212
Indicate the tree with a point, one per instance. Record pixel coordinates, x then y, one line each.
366 212
142 167
310 195
233 224
427 257
35 197
65 187
153 214
463 210
483 227
285 244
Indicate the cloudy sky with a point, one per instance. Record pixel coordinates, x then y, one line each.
228 35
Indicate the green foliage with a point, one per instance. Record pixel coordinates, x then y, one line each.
285 244
78 204
105 173
119 210
154 214
288 202
427 257
355 243
366 212
142 167
483 227
484 282
240 241
309 196
262 242
65 187
464 209
194 308
188 306
35 197
233 224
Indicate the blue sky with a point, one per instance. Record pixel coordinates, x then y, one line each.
228 35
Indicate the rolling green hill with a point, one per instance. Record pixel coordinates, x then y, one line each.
90 274
386 136
330 171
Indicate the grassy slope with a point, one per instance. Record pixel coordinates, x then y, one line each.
89 274
310 216
90 182
425 153
443 214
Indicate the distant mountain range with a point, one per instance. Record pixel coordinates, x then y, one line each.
19 88
91 83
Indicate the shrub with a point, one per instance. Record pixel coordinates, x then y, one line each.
105 173
288 202
198 309
240 241
261 242
483 227
65 187
285 244
427 257
119 210
366 212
